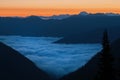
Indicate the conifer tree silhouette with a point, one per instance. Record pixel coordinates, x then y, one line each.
106 71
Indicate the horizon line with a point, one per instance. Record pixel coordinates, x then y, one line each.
24 12
65 14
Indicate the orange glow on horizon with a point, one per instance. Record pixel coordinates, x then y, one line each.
56 7
38 12
50 12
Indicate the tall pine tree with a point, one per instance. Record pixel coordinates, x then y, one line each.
106 61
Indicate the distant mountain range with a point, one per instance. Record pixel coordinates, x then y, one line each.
57 17
84 27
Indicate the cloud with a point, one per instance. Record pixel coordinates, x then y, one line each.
55 59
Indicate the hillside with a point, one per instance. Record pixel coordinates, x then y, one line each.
14 66
90 70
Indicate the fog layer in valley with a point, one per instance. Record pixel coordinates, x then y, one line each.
55 59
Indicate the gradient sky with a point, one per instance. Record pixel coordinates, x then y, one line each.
56 7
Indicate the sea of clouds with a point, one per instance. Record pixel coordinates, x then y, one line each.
55 59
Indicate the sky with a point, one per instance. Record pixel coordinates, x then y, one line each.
56 7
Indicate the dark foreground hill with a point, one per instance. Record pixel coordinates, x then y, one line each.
14 66
90 70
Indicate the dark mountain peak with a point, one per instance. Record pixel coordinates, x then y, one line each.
33 17
14 66
83 13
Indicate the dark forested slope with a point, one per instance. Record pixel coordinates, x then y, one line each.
14 66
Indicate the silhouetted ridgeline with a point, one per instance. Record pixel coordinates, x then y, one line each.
74 27
88 37
14 66
91 69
